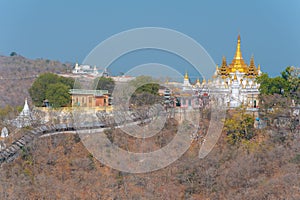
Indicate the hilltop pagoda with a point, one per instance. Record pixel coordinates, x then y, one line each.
234 83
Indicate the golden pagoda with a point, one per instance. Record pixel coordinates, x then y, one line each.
223 71
238 63
252 71
233 83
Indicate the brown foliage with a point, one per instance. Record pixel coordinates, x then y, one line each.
59 167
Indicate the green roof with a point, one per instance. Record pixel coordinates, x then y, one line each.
92 92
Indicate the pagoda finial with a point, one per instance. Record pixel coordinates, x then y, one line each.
186 76
258 67
224 63
198 82
238 53
252 61
235 77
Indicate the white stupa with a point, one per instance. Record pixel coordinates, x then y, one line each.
24 119
95 71
2 145
4 132
26 111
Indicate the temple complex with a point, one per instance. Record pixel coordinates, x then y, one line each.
235 83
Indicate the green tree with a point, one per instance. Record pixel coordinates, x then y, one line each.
103 83
146 92
269 85
40 86
287 84
66 81
13 54
292 76
265 83
58 95
145 84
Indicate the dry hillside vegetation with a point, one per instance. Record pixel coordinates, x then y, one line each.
60 167
18 73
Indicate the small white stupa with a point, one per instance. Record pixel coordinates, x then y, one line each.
95 71
26 111
2 145
24 119
4 132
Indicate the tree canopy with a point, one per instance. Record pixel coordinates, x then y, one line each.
238 127
58 95
103 83
269 85
46 83
149 85
13 54
287 84
146 92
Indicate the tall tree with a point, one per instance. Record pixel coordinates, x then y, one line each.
292 76
277 85
148 85
103 83
58 95
146 92
40 86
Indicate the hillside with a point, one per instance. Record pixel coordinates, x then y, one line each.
59 167
17 73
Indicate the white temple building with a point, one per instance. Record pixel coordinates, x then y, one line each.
234 84
85 69
90 71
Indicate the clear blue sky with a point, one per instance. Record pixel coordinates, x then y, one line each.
69 30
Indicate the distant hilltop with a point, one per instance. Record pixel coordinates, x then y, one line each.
17 73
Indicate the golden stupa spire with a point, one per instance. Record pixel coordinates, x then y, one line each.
238 53
198 82
238 63
252 61
186 76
